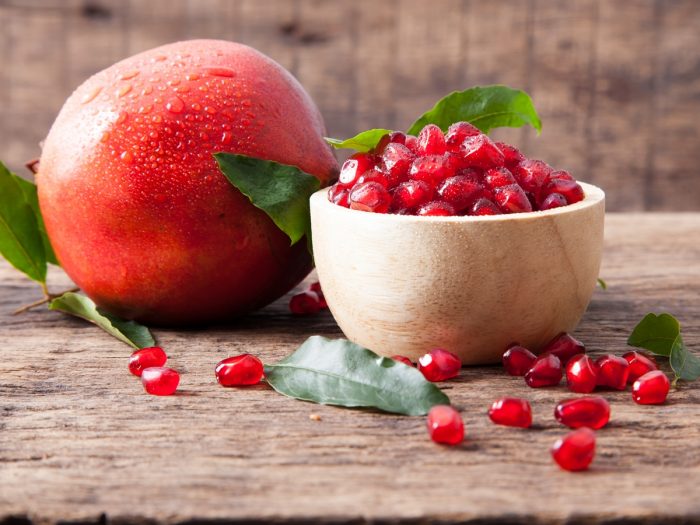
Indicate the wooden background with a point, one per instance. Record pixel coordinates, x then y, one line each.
616 82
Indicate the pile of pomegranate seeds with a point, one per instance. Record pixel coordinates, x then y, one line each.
460 172
310 301
148 364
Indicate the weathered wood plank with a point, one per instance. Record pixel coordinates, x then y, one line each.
79 439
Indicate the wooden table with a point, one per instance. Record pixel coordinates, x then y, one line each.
80 441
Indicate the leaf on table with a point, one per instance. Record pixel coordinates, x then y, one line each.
129 332
280 190
361 142
603 285
685 364
21 241
656 333
486 107
338 372
30 195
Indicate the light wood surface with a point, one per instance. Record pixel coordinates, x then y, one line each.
81 442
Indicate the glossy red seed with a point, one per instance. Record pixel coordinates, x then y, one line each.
545 372
576 450
396 161
512 199
564 346
146 358
517 360
512 155
561 174
532 175
160 381
554 200
640 364
355 166
240 370
412 144
370 196
459 192
432 169
411 194
403 359
316 288
445 425
395 137
651 389
484 207
511 412
480 151
436 209
339 195
475 175
612 371
439 365
374 175
592 412
582 374
304 303
497 177
431 141
570 190
456 134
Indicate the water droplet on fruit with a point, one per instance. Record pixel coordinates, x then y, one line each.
147 90
127 157
182 89
192 76
196 107
153 134
225 72
129 75
124 90
157 119
227 137
204 136
246 103
154 79
146 109
175 105
91 96
210 110
174 82
104 137
203 89
159 58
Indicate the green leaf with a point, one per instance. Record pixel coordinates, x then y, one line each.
30 195
338 372
364 141
685 364
280 190
603 285
656 333
130 332
485 107
21 240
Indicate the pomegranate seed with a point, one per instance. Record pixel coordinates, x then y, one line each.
402 358
152 356
456 134
395 137
436 209
561 174
370 196
439 365
411 194
431 141
432 169
553 200
160 381
459 192
497 177
545 372
512 155
532 175
474 175
374 175
651 389
564 346
316 288
592 412
512 199
304 303
445 425
355 166
517 360
582 374
412 144
576 450
640 364
339 195
612 371
571 190
240 370
511 412
396 161
484 207
481 152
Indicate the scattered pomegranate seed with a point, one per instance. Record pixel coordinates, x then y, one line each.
355 166
564 346
431 141
517 360
582 374
457 132
481 152
511 412
370 196
553 200
240 370
459 192
445 425
484 207
545 372
305 303
146 358
651 389
612 372
576 450
439 365
640 364
402 358
160 381
592 412
436 209
315 287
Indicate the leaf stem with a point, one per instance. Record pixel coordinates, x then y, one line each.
47 298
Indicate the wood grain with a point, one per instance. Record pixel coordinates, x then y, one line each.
81 442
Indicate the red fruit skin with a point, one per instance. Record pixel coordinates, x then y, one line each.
592 412
517 360
511 412
582 374
146 358
403 359
305 303
640 364
612 372
240 370
576 450
564 346
545 372
651 389
445 425
160 381
135 206
439 365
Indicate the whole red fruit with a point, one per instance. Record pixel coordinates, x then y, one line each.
137 210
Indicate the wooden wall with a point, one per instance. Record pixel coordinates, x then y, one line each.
617 82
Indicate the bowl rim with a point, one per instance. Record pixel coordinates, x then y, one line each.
593 195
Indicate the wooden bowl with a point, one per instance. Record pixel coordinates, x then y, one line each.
400 284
